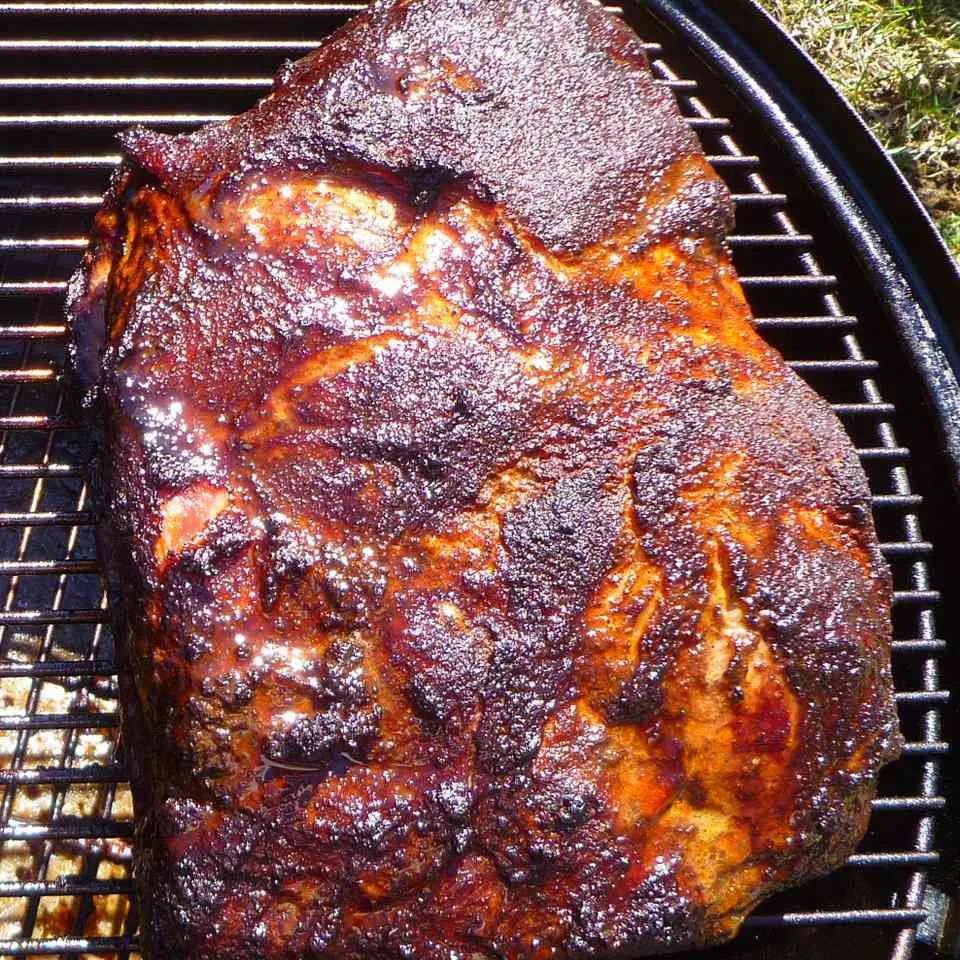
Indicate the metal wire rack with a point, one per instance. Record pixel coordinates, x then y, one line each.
75 73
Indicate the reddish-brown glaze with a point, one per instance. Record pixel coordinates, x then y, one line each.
487 587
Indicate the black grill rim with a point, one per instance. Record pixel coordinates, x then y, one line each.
884 259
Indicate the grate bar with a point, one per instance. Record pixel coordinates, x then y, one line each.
42 243
20 567
33 287
708 123
182 8
45 775
105 119
883 453
908 548
28 375
37 331
923 697
82 200
125 83
59 668
930 748
760 199
793 282
69 945
213 44
58 519
200 9
733 160
805 323
768 239
921 804
916 596
60 721
37 422
79 830
22 617
864 409
822 917
902 858
37 470
65 887
834 366
919 646
58 160
899 500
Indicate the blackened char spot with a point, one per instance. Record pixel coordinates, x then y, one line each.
434 416
347 717
556 549
443 655
341 584
193 874
809 599
204 584
657 477
701 205
655 913
640 699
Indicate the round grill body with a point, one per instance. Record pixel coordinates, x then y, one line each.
841 267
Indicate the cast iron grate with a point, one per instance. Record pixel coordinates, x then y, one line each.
73 74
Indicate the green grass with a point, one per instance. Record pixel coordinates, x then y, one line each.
899 63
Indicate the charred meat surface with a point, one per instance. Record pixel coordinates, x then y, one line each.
486 587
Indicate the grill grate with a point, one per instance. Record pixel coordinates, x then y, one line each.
65 812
